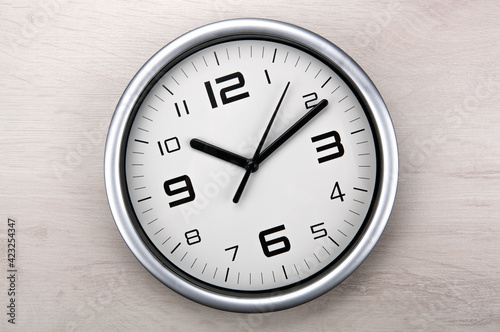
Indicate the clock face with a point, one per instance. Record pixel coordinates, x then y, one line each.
304 201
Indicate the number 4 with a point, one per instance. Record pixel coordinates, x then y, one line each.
337 193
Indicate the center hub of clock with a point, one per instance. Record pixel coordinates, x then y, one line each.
253 166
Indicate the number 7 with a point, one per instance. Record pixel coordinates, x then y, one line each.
235 251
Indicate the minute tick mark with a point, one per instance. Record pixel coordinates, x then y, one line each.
357 131
168 90
328 80
216 59
297 62
307 68
316 257
267 77
333 241
354 213
348 223
318 74
177 246
341 100
284 271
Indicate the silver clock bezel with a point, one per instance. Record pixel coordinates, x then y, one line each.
374 107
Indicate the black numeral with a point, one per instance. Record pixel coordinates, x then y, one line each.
235 248
312 101
192 237
334 145
224 91
210 93
266 244
178 109
171 145
321 232
337 193
172 188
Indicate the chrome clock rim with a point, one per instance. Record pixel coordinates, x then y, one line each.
374 107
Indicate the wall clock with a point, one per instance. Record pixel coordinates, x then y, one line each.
251 165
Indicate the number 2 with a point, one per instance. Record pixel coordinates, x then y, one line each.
311 102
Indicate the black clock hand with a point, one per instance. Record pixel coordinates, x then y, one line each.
241 161
220 153
253 164
292 130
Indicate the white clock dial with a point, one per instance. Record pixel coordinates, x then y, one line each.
297 213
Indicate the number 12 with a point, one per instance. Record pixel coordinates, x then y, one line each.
223 92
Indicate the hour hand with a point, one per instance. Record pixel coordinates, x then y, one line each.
220 153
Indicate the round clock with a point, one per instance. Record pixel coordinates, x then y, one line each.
251 165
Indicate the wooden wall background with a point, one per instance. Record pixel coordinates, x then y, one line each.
63 67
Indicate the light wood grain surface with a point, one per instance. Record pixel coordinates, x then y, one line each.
64 65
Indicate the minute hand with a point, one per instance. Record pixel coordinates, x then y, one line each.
292 130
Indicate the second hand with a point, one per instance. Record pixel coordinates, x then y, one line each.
254 162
